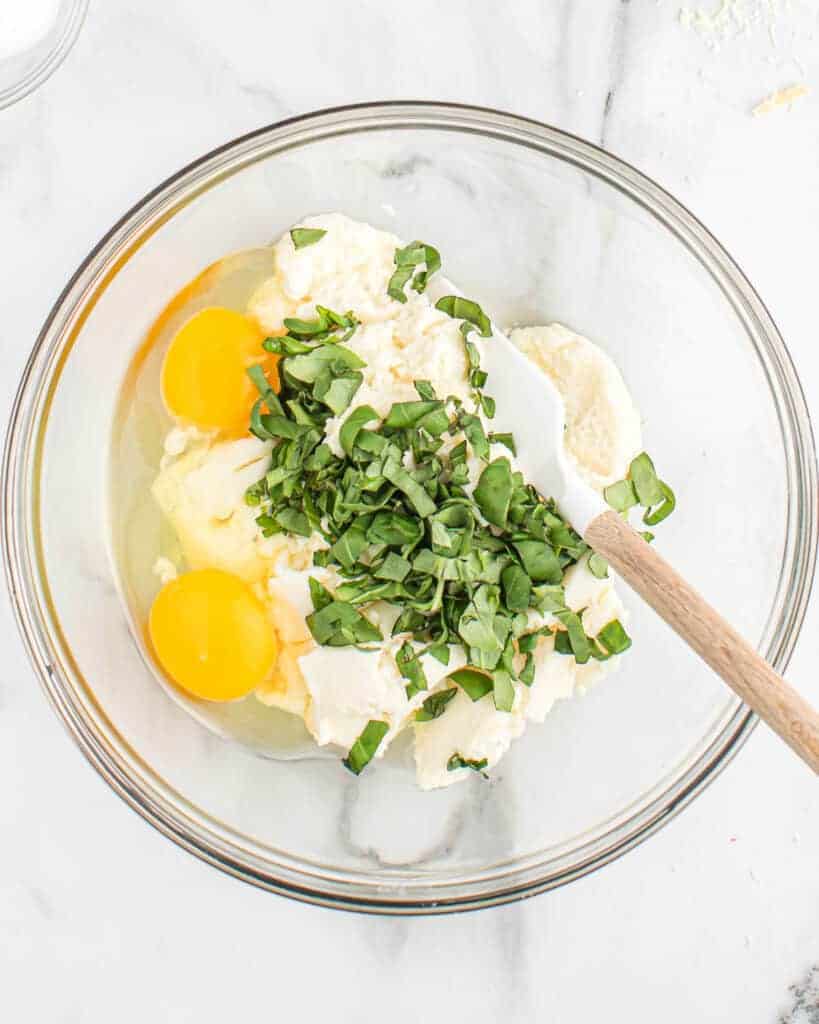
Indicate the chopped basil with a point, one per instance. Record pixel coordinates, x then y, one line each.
352 425
621 496
614 638
394 567
458 761
465 309
517 588
504 690
643 487
644 479
507 440
435 705
406 261
598 566
409 665
364 748
494 492
397 283
474 684
462 567
306 236
664 507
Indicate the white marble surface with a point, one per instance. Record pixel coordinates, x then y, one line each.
713 919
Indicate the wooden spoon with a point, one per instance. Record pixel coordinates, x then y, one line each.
528 404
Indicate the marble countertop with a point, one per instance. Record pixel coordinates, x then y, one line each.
713 919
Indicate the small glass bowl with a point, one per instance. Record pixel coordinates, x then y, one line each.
25 70
539 226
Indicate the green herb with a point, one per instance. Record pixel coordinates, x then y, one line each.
504 691
409 665
465 309
463 568
352 425
406 260
338 624
474 684
435 705
517 588
306 236
598 566
642 487
614 638
397 283
364 748
645 481
505 439
578 641
394 567
494 492
663 509
458 761
621 496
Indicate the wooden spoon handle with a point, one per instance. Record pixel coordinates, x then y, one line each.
717 643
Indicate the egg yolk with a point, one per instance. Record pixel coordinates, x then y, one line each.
212 635
203 376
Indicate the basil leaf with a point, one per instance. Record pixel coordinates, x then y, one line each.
409 414
621 496
598 566
474 684
517 588
409 665
397 283
293 521
539 560
351 544
494 491
364 748
307 367
458 761
302 237
579 642
425 390
503 689
394 567
614 638
465 309
507 440
341 392
420 500
338 624
475 435
319 594
353 424
664 509
394 528
644 479
435 705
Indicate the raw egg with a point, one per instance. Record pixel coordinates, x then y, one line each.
212 635
203 376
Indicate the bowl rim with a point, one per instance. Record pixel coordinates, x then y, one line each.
24 567
45 68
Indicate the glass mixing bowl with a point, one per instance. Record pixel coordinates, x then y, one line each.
539 226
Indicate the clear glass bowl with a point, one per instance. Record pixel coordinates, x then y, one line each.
23 70
540 226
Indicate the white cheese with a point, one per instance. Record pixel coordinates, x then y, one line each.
473 729
602 425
